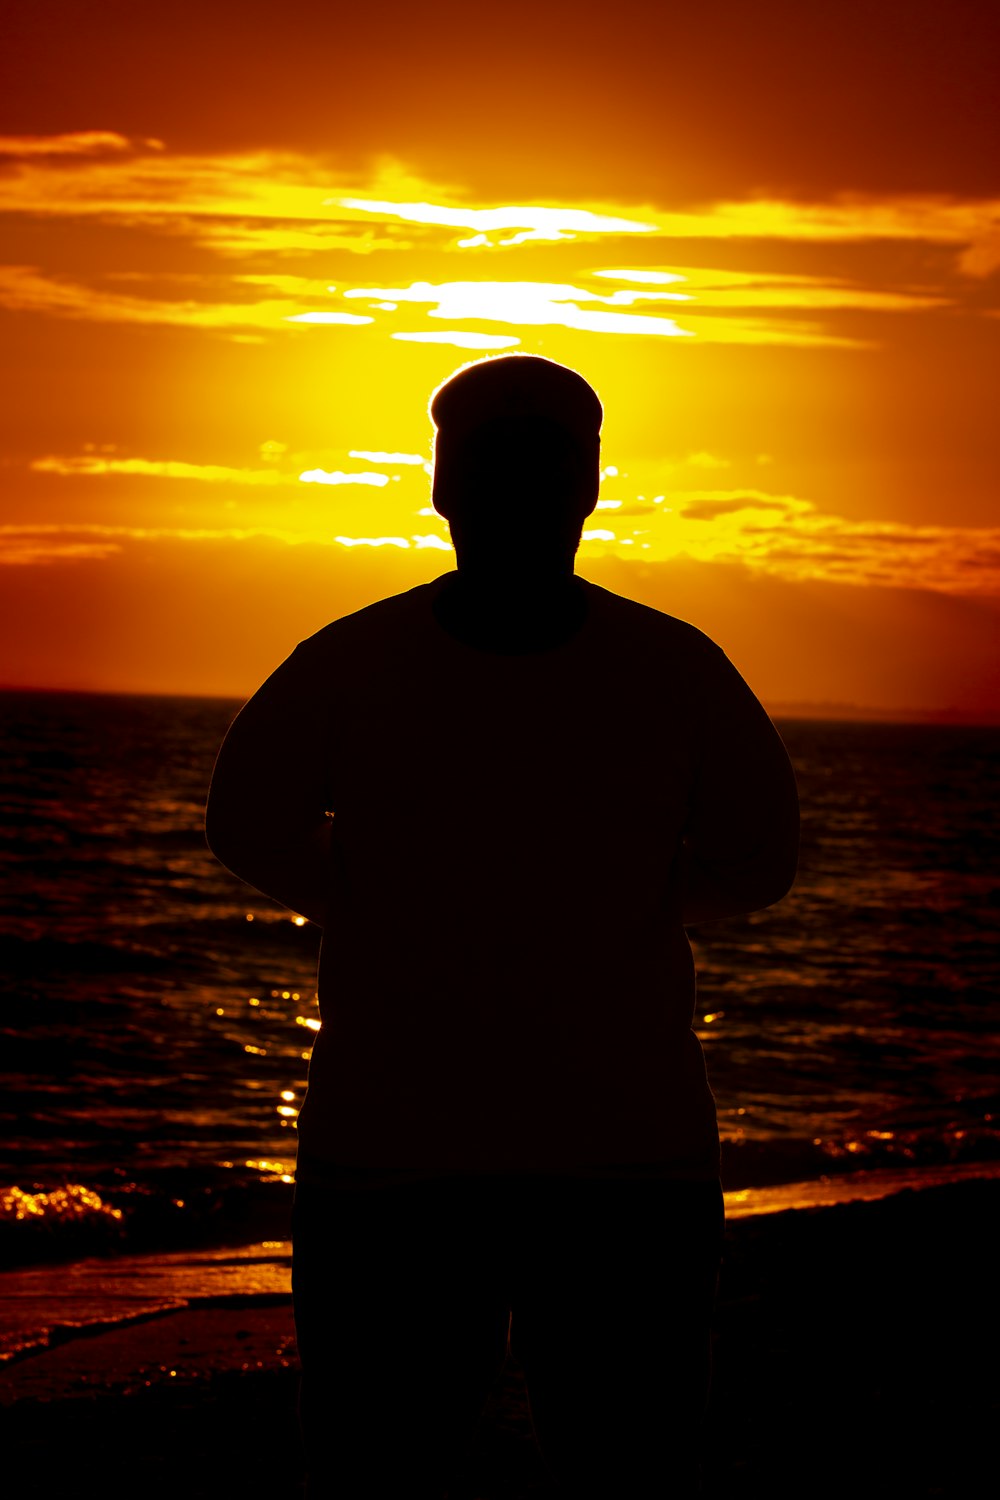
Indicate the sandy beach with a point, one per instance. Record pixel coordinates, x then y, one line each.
854 1354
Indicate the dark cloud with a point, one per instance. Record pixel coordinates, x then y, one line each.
707 510
639 508
83 146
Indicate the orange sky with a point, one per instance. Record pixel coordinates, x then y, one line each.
240 250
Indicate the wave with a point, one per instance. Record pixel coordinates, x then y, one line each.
77 1220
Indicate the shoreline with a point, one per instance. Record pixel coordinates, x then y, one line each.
49 1304
826 1191
851 1351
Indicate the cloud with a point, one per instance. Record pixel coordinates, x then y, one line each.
128 183
327 317
705 460
247 200
22 545
31 550
534 222
28 289
79 143
460 340
96 542
371 541
781 536
336 476
260 237
710 510
788 537
844 218
265 206
646 276
710 288
982 257
388 458
520 304
538 304
92 465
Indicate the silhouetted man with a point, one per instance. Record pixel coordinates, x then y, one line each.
502 795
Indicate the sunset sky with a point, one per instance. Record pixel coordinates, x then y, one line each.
241 245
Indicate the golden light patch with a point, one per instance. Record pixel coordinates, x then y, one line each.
534 222
523 304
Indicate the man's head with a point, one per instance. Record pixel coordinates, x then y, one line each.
517 456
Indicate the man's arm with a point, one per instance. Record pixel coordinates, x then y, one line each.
268 817
741 842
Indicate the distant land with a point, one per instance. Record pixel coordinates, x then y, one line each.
863 714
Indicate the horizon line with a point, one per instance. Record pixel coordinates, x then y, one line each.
820 711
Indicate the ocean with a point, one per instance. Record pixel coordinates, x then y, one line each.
157 1015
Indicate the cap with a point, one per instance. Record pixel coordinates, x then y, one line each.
518 386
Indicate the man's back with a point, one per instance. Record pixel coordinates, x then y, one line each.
505 983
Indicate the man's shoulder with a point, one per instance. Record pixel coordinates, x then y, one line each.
646 627
373 623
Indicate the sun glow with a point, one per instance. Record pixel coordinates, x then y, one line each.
532 223
285 321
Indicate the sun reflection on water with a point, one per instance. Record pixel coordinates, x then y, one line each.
60 1204
270 1171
